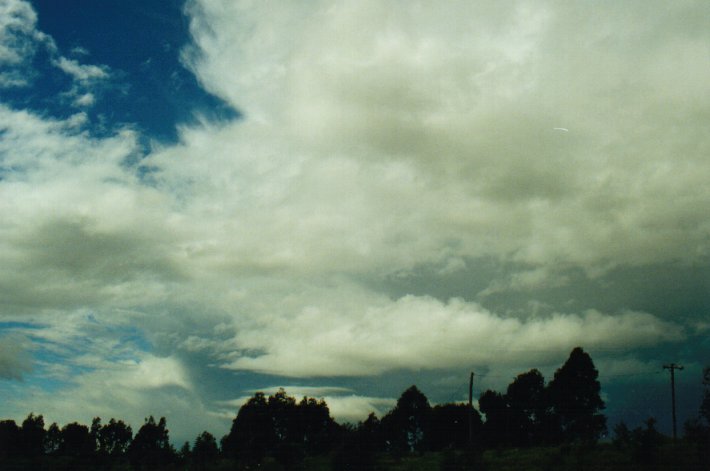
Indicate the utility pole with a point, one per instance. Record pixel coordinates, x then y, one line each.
470 411
672 367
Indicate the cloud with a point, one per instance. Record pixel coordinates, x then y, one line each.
18 42
424 333
14 361
440 117
82 73
84 100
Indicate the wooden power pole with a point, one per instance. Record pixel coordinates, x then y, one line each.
672 367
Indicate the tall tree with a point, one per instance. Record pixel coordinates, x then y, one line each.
204 451
53 439
252 432
314 427
76 441
32 435
115 438
526 401
705 404
406 427
279 426
151 449
575 399
496 428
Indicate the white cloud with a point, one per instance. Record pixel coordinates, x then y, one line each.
424 333
18 42
353 408
87 99
439 118
82 73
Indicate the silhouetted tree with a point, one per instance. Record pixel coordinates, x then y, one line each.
252 432
622 438
53 439
697 430
9 440
314 428
114 438
151 449
406 427
575 400
76 441
357 451
280 427
370 431
527 410
449 426
496 428
705 403
204 451
32 435
185 454
646 442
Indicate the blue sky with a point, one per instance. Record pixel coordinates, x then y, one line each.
140 43
207 198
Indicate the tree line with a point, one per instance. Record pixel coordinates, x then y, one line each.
281 432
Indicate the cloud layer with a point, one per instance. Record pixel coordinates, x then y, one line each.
405 144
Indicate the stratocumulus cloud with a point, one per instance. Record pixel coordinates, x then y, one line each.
423 333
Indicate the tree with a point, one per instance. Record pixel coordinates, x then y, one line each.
314 428
705 404
357 452
646 442
76 441
32 436
575 401
527 412
622 436
279 426
496 431
449 426
205 450
151 447
114 438
697 430
185 454
252 432
406 426
9 439
53 439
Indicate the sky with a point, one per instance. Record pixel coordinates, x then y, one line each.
202 199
